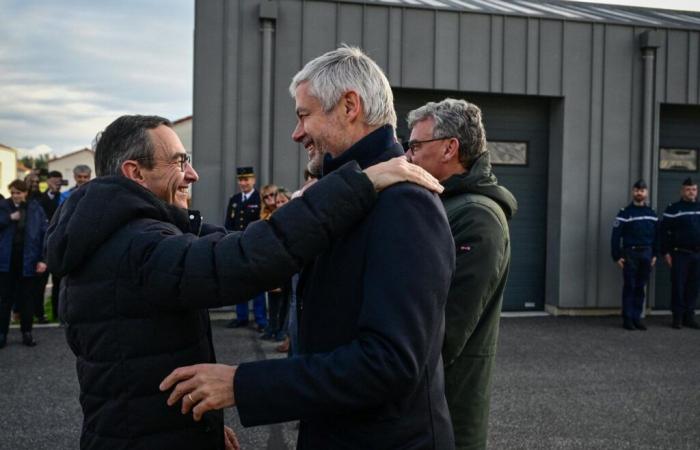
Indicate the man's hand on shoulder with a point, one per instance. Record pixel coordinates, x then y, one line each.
398 170
201 387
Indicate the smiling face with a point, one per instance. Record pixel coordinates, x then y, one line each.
318 131
245 184
18 196
81 178
167 179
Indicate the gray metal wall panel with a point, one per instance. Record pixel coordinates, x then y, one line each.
474 48
395 45
575 163
533 56
515 55
496 54
207 107
376 34
660 71
289 158
551 39
350 22
418 48
677 67
318 29
556 251
693 69
447 51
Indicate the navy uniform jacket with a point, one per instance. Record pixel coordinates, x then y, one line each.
240 214
680 227
635 226
372 323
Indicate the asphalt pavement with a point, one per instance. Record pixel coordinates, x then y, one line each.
559 383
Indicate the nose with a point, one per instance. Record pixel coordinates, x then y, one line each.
191 175
298 133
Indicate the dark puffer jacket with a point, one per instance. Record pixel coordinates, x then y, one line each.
136 283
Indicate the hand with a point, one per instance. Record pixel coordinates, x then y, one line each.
14 216
40 267
230 439
397 170
653 261
621 263
202 386
668 259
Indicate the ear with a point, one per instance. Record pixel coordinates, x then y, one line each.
451 151
132 170
351 104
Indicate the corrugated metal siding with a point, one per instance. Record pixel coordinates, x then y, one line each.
594 67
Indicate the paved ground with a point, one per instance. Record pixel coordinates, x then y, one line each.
560 383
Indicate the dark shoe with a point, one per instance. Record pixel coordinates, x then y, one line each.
3 340
42 320
691 323
676 322
28 340
280 336
236 323
628 325
260 328
267 336
638 324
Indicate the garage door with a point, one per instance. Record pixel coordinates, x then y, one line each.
517 129
679 142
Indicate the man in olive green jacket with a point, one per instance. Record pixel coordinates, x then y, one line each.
448 140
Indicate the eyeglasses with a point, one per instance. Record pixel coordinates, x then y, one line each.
181 158
271 194
414 145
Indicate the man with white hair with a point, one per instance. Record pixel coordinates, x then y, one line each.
369 371
449 141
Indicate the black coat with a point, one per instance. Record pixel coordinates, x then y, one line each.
371 330
136 283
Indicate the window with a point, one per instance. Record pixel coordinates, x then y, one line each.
508 153
678 159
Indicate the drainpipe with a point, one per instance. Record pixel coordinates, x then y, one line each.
268 17
649 41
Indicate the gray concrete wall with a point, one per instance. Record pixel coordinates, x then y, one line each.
593 72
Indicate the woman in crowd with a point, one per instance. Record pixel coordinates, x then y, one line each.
268 194
22 228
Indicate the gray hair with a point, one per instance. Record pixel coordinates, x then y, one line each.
82 168
349 69
455 118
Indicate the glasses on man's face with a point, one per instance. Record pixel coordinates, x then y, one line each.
414 145
181 158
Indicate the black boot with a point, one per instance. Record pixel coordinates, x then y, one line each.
638 324
690 322
676 322
3 340
28 340
627 324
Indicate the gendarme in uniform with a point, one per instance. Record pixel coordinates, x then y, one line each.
242 208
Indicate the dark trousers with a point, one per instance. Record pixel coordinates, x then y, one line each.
16 289
55 289
259 310
39 288
636 276
278 303
685 280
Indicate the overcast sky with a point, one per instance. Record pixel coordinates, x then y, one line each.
70 67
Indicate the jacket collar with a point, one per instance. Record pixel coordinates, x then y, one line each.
380 145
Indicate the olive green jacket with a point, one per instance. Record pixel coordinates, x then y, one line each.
478 210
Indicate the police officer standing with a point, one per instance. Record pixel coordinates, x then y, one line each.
634 249
244 208
680 245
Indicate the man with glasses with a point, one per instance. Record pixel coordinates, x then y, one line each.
449 141
244 208
140 271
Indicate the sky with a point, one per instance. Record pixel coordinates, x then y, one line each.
70 67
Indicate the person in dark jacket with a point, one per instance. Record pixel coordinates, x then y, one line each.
140 270
449 141
680 245
50 201
634 248
369 374
22 229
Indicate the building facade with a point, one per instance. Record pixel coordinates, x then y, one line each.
8 168
67 162
579 101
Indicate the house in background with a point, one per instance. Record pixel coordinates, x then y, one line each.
67 162
8 168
